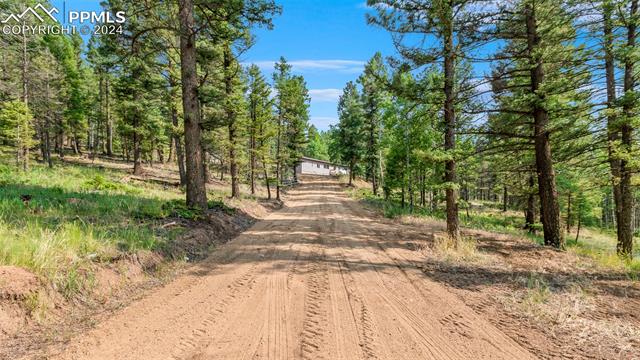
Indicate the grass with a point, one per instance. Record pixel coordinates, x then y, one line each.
538 289
464 251
596 244
55 222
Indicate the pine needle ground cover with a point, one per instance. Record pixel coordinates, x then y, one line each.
594 243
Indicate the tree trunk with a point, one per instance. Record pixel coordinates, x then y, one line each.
410 190
160 155
196 189
613 133
47 125
178 145
48 148
352 164
372 162
505 198
252 163
76 145
549 207
434 200
25 66
530 213
60 139
423 189
625 210
569 213
380 163
170 156
231 121
205 166
137 161
453 227
278 160
266 178
25 98
109 120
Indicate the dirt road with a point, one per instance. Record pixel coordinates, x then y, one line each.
320 279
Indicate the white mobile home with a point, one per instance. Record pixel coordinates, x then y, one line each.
311 166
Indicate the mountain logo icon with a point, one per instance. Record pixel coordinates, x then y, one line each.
33 11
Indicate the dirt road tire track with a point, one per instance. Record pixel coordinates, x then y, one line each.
320 279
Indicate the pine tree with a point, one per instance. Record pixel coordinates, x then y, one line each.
628 122
196 190
454 27
16 125
281 82
542 90
373 97
350 128
317 145
297 121
261 127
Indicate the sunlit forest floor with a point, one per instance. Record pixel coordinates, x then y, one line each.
596 243
579 303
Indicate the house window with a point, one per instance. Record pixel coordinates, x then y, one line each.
318 165
326 166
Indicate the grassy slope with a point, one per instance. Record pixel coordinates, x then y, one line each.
594 243
79 214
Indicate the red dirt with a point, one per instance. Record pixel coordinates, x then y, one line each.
16 283
325 278
319 279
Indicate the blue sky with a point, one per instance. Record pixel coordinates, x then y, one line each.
326 41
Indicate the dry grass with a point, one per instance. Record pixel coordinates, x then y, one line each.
463 250
573 312
358 183
579 303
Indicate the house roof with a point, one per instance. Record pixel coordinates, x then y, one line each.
321 161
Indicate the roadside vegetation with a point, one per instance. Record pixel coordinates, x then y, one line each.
594 242
55 221
59 222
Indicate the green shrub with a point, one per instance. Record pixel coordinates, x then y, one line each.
99 182
220 205
180 209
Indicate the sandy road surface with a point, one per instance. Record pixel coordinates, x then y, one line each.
320 279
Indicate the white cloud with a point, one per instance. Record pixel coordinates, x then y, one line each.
344 66
323 122
325 95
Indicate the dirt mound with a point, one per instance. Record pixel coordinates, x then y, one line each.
216 227
17 283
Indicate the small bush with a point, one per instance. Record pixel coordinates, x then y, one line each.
220 205
464 250
539 291
149 210
180 209
99 182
